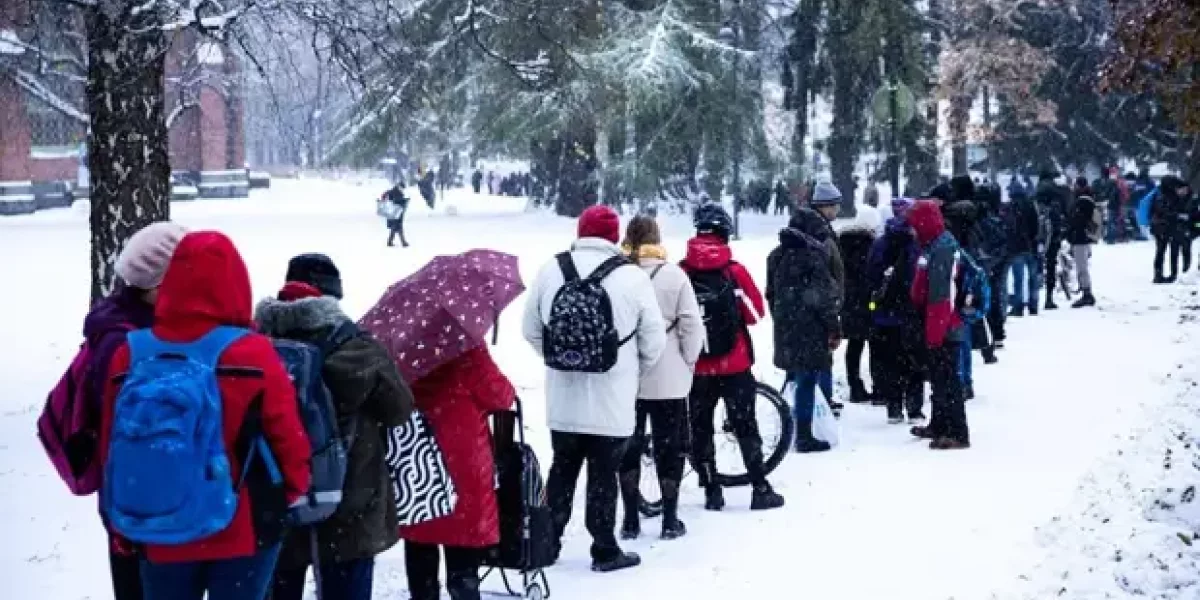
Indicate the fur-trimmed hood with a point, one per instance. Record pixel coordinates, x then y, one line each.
866 220
278 318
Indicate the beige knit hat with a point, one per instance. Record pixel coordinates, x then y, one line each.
144 260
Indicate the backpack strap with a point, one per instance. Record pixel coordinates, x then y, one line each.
341 334
654 273
207 350
567 265
607 267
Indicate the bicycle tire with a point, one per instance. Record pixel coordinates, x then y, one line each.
774 456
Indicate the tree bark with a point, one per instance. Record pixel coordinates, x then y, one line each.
960 113
127 145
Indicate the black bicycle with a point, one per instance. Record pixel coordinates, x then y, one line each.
775 425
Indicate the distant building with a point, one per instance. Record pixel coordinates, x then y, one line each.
42 139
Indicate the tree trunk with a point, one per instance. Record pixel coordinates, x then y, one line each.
127 145
960 113
844 130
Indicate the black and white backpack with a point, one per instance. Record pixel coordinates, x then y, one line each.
580 336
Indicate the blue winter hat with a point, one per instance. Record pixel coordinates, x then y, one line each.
825 194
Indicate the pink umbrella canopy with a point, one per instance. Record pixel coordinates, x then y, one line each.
444 309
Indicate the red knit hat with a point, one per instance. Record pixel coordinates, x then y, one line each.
600 222
297 290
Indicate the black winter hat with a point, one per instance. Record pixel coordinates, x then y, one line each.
962 188
318 271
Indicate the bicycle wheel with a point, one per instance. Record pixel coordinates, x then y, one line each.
775 427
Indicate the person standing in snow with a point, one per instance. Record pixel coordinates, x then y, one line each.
783 199
477 181
827 201
729 303
805 302
1084 226
992 249
140 268
663 390
1021 222
491 183
933 294
1052 200
1170 218
854 244
395 196
592 415
897 348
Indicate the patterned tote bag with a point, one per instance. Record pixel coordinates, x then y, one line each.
424 491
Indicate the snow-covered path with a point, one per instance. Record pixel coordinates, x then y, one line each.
880 517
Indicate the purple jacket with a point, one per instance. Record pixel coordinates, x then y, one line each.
895 309
104 332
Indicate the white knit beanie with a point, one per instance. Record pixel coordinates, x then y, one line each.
144 260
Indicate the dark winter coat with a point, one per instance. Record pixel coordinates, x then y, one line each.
803 295
896 250
1170 214
1055 200
1081 222
456 399
1021 223
960 217
855 246
990 233
396 196
369 397
105 328
207 286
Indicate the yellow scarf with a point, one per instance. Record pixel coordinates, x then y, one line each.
646 251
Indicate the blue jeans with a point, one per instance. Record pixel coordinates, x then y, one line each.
350 580
806 383
964 358
233 579
1026 267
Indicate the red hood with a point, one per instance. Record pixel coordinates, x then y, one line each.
206 285
926 220
707 251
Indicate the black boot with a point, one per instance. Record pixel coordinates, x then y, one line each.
989 355
765 498
625 560
1017 311
1087 300
463 585
969 391
1033 309
1050 305
714 496
808 445
631 496
858 392
672 527
1160 279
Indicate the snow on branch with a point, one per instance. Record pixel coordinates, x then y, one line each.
34 86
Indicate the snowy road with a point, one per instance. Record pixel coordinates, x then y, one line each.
880 518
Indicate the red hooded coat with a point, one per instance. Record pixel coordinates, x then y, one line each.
456 399
933 285
206 285
708 252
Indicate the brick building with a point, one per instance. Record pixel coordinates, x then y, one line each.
42 140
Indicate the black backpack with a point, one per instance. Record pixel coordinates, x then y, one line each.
716 293
580 336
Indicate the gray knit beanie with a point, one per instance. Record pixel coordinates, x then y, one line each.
143 261
825 194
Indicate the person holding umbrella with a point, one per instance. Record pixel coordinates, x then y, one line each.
434 325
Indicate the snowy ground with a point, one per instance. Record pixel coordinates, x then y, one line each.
1069 431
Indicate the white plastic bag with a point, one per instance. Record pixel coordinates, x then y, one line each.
824 423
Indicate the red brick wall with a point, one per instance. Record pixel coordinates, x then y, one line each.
54 169
14 133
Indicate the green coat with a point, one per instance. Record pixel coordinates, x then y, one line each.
367 390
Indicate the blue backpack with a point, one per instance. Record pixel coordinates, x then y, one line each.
329 446
167 479
976 288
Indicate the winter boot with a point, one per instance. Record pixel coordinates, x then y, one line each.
989 355
765 498
895 416
463 585
714 497
946 443
625 560
1160 279
1017 311
1033 309
917 418
969 391
1087 300
858 393
923 432
672 527
631 497
810 445
1050 305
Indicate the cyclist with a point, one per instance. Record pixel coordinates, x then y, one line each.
729 303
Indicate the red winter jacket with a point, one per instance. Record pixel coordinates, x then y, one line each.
207 285
933 288
708 252
456 399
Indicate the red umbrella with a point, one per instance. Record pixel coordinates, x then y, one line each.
444 309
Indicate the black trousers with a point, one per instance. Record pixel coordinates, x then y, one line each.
422 562
896 369
1164 243
1051 258
668 429
997 311
949 418
738 393
854 353
126 576
396 227
603 456
1185 250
